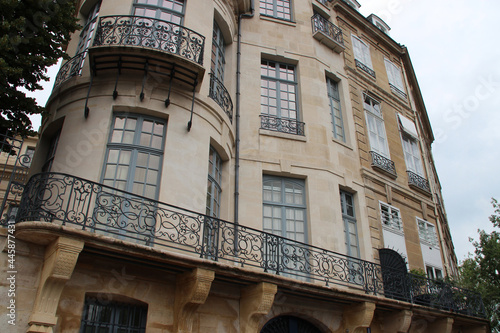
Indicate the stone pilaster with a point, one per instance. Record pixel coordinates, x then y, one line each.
60 260
192 289
256 301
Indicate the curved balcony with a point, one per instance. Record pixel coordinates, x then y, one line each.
73 67
284 125
85 205
220 95
152 34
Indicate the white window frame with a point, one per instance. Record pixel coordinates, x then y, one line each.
433 272
391 220
410 143
427 233
395 76
350 223
375 126
335 109
361 51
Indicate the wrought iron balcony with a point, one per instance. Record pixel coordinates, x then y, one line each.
220 95
285 125
72 67
365 68
85 205
419 182
150 33
327 33
383 164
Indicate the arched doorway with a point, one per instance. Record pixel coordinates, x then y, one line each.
394 275
289 324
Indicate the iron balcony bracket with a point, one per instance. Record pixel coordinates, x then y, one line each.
115 92
172 74
190 123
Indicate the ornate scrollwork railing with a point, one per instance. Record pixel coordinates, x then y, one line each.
150 33
285 125
85 205
383 163
365 68
220 95
319 23
72 67
418 181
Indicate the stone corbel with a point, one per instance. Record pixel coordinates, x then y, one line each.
398 322
256 301
60 260
357 316
443 325
192 289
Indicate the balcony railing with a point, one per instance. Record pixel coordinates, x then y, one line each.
383 163
418 181
322 27
285 125
85 205
150 33
72 67
365 68
220 95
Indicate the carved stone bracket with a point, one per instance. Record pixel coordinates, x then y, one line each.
192 289
256 301
444 325
357 316
59 263
398 322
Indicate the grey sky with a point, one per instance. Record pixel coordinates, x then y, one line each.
455 53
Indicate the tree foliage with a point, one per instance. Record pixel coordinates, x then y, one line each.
32 36
481 271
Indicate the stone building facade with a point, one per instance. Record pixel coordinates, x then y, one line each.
235 166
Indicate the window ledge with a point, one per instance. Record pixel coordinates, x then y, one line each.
282 135
342 143
278 20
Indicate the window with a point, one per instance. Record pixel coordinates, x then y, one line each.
279 98
391 217
284 207
350 228
362 55
218 61
12 213
47 166
134 155
110 317
427 233
376 128
213 186
27 157
166 10
395 78
433 272
280 9
409 138
412 155
335 110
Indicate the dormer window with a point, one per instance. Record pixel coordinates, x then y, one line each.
379 23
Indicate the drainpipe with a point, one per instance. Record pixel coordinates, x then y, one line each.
237 116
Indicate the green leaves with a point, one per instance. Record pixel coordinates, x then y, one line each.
481 272
32 36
